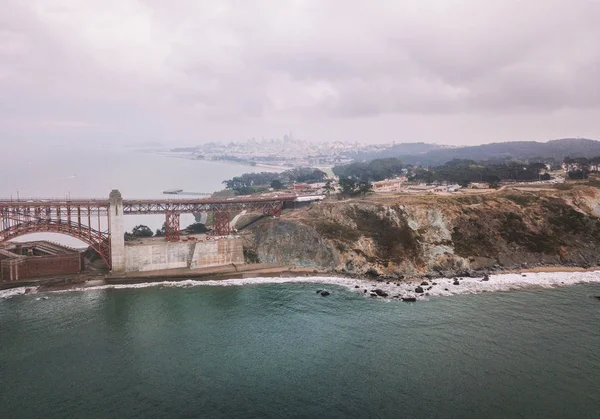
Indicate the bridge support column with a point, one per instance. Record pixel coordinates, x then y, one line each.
117 231
221 223
273 210
172 226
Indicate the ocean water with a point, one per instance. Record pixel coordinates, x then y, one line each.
270 350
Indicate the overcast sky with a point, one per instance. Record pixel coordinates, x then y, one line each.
191 71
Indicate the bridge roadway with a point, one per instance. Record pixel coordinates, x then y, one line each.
99 222
146 206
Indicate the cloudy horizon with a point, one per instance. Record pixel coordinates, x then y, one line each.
458 72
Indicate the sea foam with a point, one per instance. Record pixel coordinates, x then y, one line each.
399 289
12 291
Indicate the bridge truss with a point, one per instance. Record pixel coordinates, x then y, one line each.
89 220
221 209
86 220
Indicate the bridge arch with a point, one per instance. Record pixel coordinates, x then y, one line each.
97 240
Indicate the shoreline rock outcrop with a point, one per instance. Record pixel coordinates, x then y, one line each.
431 237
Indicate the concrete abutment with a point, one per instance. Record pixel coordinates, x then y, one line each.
160 255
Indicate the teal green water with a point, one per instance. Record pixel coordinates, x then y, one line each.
281 350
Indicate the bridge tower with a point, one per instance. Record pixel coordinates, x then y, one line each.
117 231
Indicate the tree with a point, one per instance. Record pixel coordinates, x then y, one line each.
348 185
141 231
373 171
578 174
249 183
365 187
303 175
537 168
277 184
328 188
161 232
196 228
352 186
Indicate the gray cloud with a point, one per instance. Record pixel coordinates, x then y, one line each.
230 69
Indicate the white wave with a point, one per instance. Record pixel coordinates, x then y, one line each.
225 283
443 287
13 291
502 282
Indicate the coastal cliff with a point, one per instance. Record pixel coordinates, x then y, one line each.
406 236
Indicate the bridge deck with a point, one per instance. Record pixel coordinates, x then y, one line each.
24 202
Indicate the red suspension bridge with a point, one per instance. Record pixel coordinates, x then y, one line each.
97 222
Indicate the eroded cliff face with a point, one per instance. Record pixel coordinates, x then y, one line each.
408 236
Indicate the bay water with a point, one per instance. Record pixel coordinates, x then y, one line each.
72 171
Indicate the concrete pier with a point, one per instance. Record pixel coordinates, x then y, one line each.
117 231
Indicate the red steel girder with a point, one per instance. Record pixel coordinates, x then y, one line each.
221 224
98 240
172 226
273 210
19 218
204 205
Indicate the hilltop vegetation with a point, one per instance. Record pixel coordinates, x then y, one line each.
464 172
517 150
396 150
249 183
458 171
372 171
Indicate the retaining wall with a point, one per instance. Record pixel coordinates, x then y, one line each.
191 254
17 268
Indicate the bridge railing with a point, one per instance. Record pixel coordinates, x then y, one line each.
37 199
172 198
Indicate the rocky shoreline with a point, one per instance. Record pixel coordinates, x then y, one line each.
407 289
419 237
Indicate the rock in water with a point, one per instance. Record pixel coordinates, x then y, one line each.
356 286
424 283
409 299
456 282
324 293
486 277
419 290
381 293
597 297
319 291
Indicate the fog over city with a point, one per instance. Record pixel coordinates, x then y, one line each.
126 72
